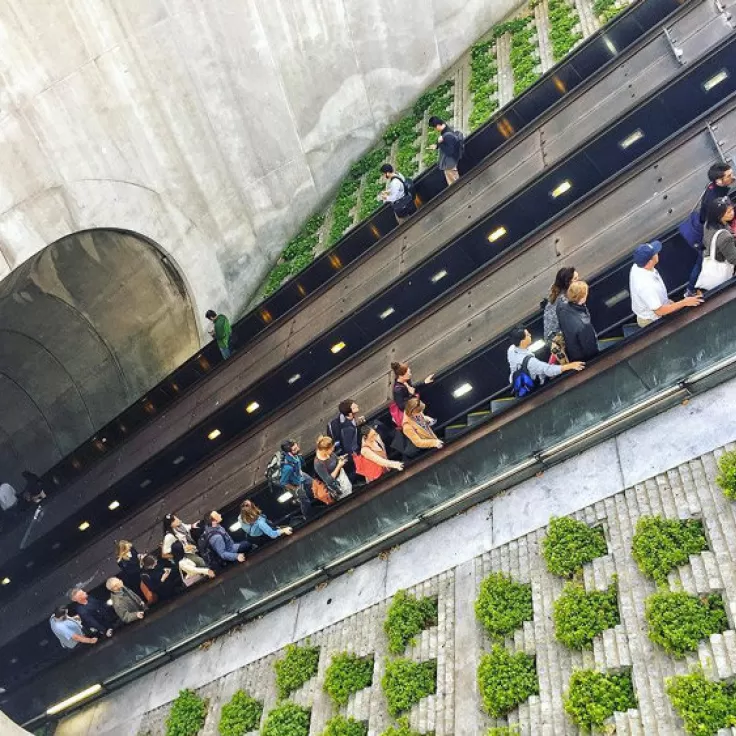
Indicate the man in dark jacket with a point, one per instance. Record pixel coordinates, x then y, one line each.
721 180
581 342
450 147
96 616
344 432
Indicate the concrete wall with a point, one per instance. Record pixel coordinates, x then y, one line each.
213 128
86 327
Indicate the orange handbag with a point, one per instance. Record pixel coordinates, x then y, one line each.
321 493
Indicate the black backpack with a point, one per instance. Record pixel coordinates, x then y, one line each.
521 382
405 206
334 430
461 140
273 470
213 560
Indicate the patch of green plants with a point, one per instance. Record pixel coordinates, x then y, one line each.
592 697
241 715
503 731
341 726
401 729
298 254
342 219
562 19
579 616
678 621
287 719
661 545
347 674
570 544
704 706
726 477
506 679
407 617
187 715
503 604
482 85
298 665
606 10
523 57
370 167
406 683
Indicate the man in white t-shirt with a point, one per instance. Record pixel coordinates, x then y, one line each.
649 299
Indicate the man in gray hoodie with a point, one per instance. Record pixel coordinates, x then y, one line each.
127 605
539 372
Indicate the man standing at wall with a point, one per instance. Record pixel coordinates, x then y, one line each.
222 331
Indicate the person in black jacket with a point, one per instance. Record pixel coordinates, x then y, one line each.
581 342
449 143
404 389
96 616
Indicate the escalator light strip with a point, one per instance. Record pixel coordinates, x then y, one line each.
74 699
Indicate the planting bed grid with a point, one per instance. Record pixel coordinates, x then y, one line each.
688 491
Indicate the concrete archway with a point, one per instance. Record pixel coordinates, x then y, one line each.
87 325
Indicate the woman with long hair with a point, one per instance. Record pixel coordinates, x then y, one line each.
416 428
255 525
188 569
330 468
129 563
374 462
551 325
719 224
403 388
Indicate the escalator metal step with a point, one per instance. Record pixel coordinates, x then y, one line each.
630 329
454 430
477 417
502 404
608 342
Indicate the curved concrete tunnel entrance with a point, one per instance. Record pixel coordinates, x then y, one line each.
87 326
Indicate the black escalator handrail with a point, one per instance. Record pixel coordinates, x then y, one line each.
625 16
635 163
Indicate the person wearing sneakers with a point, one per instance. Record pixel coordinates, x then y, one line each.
649 298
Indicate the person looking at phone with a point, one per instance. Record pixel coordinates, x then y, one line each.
330 468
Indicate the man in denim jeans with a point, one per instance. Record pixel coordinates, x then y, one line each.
293 477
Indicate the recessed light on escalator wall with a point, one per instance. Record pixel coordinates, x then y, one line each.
114 505
561 189
499 232
632 138
715 80
214 434
462 390
438 276
337 347
253 406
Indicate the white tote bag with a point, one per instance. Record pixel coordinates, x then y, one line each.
714 273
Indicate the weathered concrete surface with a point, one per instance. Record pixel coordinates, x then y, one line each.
449 562
212 128
8 728
86 327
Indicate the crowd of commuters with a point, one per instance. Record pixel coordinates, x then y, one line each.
354 451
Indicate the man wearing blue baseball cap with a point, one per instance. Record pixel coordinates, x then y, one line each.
649 299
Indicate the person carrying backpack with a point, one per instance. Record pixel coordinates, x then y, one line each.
451 145
399 193
527 371
217 546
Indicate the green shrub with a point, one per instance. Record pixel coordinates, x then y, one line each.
661 545
579 616
606 10
503 604
401 729
406 683
298 665
678 621
341 726
569 544
523 56
187 715
592 697
562 20
505 680
726 477
287 719
704 706
408 616
342 219
347 674
241 715
503 731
